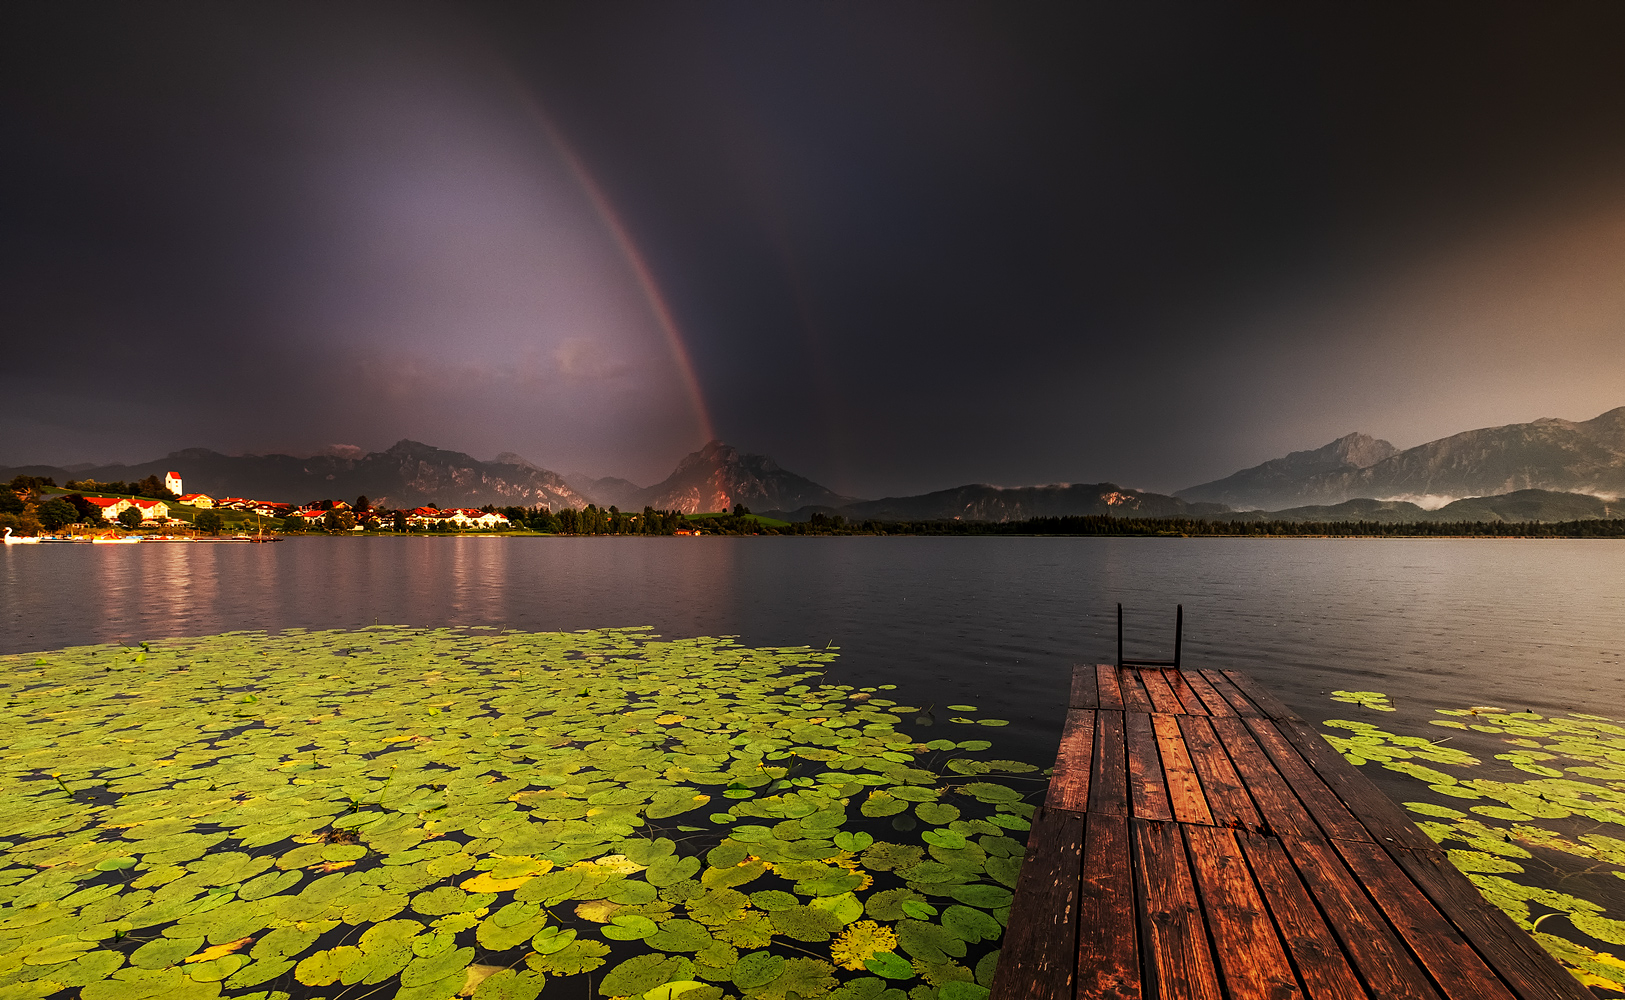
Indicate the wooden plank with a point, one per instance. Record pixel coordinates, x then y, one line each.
1323 969
1108 965
1175 938
1458 970
1162 696
1232 695
1184 790
1108 789
1376 953
1279 809
1107 691
1376 811
1040 945
1251 959
1530 969
1332 816
1074 763
1134 697
1147 794
1227 799
1261 696
1189 700
1211 699
1085 692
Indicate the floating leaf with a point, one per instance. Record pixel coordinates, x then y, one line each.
508 984
630 928
638 975
573 959
757 969
882 804
857 840
890 965
971 925
944 838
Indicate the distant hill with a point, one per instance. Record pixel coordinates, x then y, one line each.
1521 505
980 502
1261 485
608 491
409 474
1561 456
716 478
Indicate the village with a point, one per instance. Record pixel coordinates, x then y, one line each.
86 510
36 509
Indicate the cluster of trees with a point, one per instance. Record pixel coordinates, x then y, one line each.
594 520
590 520
20 502
835 524
151 487
821 524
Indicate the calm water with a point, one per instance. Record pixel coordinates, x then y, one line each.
996 622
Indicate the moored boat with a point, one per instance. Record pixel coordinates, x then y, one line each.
11 539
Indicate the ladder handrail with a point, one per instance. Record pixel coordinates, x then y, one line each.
1179 642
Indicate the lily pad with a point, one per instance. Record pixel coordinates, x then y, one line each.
282 802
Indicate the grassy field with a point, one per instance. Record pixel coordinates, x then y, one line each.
768 522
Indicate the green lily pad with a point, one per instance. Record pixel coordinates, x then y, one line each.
629 928
890 965
638 975
757 969
493 784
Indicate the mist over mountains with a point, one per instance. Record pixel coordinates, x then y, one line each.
1545 470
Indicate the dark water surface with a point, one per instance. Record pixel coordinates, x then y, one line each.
996 622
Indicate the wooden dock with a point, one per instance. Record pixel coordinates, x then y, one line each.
1201 842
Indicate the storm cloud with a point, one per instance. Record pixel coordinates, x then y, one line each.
897 246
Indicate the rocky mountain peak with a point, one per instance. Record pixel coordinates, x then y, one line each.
1357 450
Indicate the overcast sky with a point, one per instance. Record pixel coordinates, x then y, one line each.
897 246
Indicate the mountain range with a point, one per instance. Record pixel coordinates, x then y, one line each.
716 477
1547 454
1545 470
409 474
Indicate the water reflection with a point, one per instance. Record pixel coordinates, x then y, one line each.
998 621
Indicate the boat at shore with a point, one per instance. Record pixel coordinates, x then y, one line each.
11 539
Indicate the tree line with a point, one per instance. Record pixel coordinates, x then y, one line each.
1105 525
151 487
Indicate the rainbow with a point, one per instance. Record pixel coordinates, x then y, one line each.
652 296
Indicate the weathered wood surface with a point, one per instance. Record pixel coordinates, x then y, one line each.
1199 840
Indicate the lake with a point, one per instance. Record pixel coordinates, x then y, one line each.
995 621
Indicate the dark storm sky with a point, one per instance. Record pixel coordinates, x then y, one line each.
897 246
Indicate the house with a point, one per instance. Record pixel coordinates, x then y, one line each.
200 500
112 507
468 517
172 482
233 503
421 517
151 510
